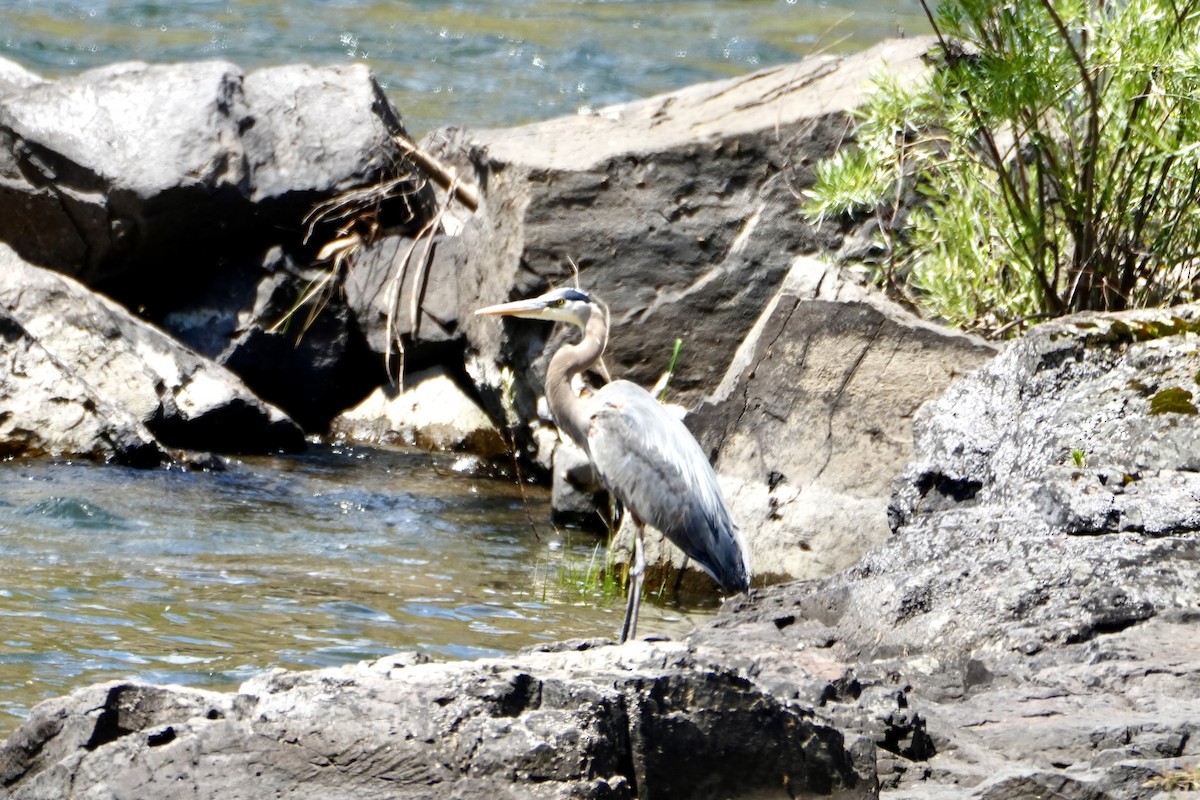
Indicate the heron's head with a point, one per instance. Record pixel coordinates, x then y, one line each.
557 305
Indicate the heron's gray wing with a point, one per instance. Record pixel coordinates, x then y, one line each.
655 467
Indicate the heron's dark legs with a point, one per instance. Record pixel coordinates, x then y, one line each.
636 575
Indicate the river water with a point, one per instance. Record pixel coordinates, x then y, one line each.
338 555
464 62
207 577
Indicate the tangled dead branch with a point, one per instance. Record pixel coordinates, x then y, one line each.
357 220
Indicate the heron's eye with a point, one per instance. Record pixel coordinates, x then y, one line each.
558 303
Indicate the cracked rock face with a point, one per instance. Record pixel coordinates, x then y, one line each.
814 418
643 721
1033 621
1113 399
86 378
1056 448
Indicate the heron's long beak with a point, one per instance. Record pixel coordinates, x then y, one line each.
529 309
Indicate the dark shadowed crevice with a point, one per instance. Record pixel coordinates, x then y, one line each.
108 724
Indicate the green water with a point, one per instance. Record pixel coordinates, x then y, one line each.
466 62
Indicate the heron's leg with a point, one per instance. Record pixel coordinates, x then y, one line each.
637 574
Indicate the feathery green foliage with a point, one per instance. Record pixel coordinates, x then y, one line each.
1054 156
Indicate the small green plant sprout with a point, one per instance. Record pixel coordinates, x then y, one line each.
590 580
1079 457
664 382
578 580
1049 164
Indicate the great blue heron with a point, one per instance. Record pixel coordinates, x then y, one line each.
644 454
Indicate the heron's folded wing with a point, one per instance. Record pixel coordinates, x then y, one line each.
655 467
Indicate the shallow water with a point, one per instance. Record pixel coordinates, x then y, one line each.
340 555
473 63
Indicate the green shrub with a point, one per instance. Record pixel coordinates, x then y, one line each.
1053 157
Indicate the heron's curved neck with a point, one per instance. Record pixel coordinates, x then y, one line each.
568 409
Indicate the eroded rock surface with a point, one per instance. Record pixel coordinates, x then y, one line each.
1114 397
86 378
642 721
1034 619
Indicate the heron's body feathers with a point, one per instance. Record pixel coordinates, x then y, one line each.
651 462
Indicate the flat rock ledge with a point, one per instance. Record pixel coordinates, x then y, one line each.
642 720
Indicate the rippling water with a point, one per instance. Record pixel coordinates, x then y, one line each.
465 62
205 578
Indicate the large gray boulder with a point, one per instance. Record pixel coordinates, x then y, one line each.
1034 619
86 378
318 132
130 162
202 197
681 212
47 409
814 419
643 721
142 169
1114 399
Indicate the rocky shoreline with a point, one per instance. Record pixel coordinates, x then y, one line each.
984 569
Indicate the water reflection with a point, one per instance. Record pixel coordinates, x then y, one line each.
334 557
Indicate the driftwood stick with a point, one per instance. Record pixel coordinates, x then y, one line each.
444 176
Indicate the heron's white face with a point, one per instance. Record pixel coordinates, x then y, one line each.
558 305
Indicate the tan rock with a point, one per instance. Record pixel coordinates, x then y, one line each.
432 412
